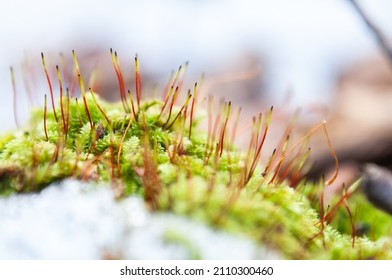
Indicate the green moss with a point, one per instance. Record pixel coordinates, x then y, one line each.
152 155
368 221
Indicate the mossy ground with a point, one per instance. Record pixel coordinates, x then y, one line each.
150 152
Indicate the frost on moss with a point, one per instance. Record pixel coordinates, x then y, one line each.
150 152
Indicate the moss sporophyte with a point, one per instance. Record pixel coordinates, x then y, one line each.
154 149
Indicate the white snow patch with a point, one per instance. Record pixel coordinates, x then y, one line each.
74 220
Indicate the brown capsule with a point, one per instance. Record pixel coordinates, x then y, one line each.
377 186
100 132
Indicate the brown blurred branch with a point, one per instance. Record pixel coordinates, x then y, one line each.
381 40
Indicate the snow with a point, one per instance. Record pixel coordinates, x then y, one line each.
74 220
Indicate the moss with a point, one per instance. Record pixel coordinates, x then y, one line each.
151 153
368 221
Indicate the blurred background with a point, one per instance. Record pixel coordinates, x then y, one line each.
315 54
